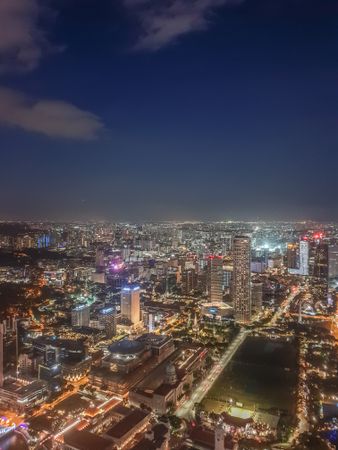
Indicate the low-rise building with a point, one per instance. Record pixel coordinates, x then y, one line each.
20 396
123 432
84 440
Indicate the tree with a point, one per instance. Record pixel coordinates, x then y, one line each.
175 422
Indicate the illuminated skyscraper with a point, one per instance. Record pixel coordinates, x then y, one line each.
321 261
107 319
80 316
333 262
292 256
241 280
304 258
256 296
189 281
215 278
1 354
227 245
99 260
130 304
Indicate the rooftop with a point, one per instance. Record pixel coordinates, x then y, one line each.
206 438
84 440
127 424
22 389
127 347
155 340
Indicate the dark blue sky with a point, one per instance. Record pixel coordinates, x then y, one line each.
190 109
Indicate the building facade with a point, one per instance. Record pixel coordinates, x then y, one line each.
130 304
215 278
241 281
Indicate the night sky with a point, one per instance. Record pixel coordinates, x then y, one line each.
169 109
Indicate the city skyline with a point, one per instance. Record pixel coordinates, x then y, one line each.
204 110
168 225
124 332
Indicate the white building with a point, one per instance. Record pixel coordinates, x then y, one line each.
130 304
333 262
80 316
304 258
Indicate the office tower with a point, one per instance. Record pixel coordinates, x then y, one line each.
99 260
130 304
256 296
333 262
150 323
189 281
1 354
321 257
304 258
241 278
227 275
80 316
215 278
107 319
227 244
292 256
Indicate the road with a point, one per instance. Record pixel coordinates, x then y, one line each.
284 307
186 410
49 406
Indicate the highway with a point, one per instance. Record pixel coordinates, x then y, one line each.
186 409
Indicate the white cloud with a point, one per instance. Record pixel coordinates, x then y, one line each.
51 118
163 21
22 40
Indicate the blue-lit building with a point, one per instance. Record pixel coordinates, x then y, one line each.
107 320
130 304
81 315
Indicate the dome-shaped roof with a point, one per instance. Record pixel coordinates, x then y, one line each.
170 369
127 347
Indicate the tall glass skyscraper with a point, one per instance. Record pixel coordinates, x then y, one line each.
333 262
215 278
130 304
304 258
241 280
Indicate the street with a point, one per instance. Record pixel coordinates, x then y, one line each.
186 410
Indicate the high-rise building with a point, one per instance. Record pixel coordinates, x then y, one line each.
1 354
292 256
215 278
189 280
107 320
333 262
321 257
227 275
99 260
130 304
304 258
241 278
81 316
256 296
227 244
